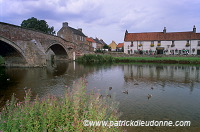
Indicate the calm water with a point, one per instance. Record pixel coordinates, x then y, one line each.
175 93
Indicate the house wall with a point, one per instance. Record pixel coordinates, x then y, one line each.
179 45
94 45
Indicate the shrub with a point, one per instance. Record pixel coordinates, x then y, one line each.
92 58
65 113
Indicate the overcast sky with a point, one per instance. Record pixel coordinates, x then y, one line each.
107 19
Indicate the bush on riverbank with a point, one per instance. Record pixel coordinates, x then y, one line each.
93 58
1 60
66 113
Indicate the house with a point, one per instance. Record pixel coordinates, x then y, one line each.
91 43
99 44
120 47
74 35
113 46
162 42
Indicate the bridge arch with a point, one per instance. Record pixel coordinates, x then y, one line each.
13 55
57 51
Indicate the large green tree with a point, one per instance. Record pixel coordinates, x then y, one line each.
39 25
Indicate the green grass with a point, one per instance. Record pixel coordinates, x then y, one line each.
187 60
65 113
92 58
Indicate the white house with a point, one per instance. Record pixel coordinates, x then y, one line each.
162 42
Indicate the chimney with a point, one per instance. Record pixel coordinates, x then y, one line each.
65 24
80 29
164 30
126 32
194 29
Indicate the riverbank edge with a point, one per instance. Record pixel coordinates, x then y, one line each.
96 58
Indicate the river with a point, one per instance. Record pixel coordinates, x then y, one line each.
175 89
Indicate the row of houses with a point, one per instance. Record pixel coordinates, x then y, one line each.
95 43
162 42
77 36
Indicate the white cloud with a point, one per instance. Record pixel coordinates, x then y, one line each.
107 18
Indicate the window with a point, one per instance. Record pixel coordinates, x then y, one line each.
159 41
152 42
131 43
173 44
198 43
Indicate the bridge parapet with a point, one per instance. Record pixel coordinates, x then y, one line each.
34 47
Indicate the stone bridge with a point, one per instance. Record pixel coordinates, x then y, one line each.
28 48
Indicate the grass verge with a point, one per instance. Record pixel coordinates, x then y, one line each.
92 58
66 113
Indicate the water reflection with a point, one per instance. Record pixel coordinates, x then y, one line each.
175 93
54 79
171 73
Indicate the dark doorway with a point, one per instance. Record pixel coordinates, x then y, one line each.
160 50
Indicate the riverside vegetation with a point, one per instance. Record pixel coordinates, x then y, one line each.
65 113
92 58
1 60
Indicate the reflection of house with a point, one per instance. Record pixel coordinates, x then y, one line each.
71 34
113 46
183 74
162 42
120 47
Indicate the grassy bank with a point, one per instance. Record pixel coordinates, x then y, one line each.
66 113
170 60
92 58
146 59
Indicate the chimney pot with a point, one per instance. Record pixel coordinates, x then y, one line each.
65 24
194 29
80 29
164 30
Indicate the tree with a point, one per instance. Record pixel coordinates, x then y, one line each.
39 25
105 46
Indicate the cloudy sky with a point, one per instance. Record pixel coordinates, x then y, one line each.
107 19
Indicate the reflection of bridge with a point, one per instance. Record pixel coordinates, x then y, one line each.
24 47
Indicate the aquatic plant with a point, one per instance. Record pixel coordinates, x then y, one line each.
65 113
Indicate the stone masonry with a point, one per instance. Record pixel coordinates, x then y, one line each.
32 48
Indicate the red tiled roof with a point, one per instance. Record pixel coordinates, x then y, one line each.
120 45
161 36
89 39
